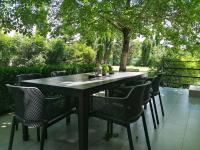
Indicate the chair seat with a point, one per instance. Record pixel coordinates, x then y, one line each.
115 112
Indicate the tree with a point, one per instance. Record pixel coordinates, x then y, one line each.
79 53
56 52
171 20
104 49
146 48
7 49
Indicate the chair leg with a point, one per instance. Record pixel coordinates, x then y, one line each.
12 133
163 114
155 109
152 114
68 103
111 129
46 134
146 132
17 126
108 132
145 106
91 104
38 134
106 93
43 136
130 137
25 133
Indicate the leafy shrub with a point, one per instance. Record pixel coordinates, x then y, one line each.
56 50
7 49
79 52
36 50
29 50
8 76
178 62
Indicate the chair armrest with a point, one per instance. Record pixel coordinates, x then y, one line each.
53 98
149 79
134 83
126 88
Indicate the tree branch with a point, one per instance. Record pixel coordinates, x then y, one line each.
116 25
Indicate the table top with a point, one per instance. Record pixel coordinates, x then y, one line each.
82 81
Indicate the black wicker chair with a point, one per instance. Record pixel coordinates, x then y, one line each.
156 81
68 102
32 109
155 91
20 78
123 111
121 92
71 101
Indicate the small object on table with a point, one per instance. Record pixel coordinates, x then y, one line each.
91 76
111 72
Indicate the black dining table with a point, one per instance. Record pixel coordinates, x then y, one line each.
82 87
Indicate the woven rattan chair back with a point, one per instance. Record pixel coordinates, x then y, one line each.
29 104
156 83
147 95
135 100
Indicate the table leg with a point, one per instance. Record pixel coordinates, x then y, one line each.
25 133
83 110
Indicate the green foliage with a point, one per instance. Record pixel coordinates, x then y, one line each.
8 76
174 21
179 68
135 52
21 50
105 68
35 50
146 49
7 49
178 58
78 52
55 54
110 68
30 51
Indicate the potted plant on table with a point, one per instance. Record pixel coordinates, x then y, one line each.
105 69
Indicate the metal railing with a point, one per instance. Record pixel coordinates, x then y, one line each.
181 73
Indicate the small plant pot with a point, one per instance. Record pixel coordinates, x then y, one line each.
103 74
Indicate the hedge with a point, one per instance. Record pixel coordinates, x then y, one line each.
8 75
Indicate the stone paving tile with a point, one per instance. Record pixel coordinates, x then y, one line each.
178 130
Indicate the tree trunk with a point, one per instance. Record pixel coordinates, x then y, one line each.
125 50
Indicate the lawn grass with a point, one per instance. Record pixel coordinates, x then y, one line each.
133 68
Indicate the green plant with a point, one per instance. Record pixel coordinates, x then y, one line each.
146 48
110 68
56 50
105 69
79 53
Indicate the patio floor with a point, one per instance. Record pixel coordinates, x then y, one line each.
178 130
